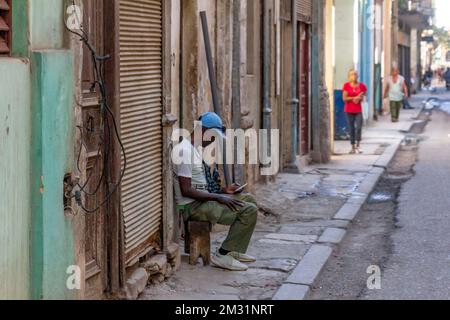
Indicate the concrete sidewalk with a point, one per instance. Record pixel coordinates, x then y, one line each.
305 217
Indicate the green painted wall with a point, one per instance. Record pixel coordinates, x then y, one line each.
15 146
46 24
51 157
36 132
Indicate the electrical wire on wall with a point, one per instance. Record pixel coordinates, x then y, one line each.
108 123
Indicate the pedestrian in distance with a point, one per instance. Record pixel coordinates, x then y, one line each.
354 93
428 78
447 79
396 91
406 103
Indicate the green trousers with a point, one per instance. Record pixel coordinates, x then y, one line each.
396 106
242 222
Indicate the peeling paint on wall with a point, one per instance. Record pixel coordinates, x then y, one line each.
15 215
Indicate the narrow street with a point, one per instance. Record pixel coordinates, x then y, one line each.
221 150
304 218
403 228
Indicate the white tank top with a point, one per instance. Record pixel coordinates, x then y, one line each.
396 89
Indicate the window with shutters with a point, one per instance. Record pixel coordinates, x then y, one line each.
5 27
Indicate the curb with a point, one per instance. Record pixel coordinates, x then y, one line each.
408 126
298 285
387 157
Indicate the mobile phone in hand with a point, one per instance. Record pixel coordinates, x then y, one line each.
241 188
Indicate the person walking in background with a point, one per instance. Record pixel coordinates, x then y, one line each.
354 94
428 78
397 91
406 103
447 78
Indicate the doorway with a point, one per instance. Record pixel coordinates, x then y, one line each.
304 76
92 133
141 113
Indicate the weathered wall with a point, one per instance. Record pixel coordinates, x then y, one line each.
52 157
197 97
275 73
15 143
15 215
320 102
52 150
366 59
46 22
345 41
404 38
196 89
330 62
36 245
285 105
415 59
387 39
175 54
251 86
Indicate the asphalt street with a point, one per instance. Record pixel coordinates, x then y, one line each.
419 267
406 230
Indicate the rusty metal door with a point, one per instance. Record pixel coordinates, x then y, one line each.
141 54
92 135
304 77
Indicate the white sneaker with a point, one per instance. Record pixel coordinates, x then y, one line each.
227 262
242 257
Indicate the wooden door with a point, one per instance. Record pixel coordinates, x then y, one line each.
93 138
304 88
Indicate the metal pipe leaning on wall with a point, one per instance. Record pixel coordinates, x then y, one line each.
213 81
267 110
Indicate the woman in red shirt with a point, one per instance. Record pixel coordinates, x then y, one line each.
354 93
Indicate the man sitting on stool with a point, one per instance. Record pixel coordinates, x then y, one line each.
226 208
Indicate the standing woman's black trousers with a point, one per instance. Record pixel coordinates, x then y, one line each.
355 123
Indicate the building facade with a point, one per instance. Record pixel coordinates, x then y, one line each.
372 36
414 17
90 107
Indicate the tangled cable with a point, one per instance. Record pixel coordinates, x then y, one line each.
110 128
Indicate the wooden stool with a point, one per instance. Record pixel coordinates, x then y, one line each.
197 240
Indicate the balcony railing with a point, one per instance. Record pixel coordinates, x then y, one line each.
422 7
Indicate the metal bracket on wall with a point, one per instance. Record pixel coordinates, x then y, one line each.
68 186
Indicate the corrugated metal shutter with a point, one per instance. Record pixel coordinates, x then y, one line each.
141 121
304 10
286 10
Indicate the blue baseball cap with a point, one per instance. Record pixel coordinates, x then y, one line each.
212 121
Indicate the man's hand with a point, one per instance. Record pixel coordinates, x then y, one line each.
231 189
231 203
